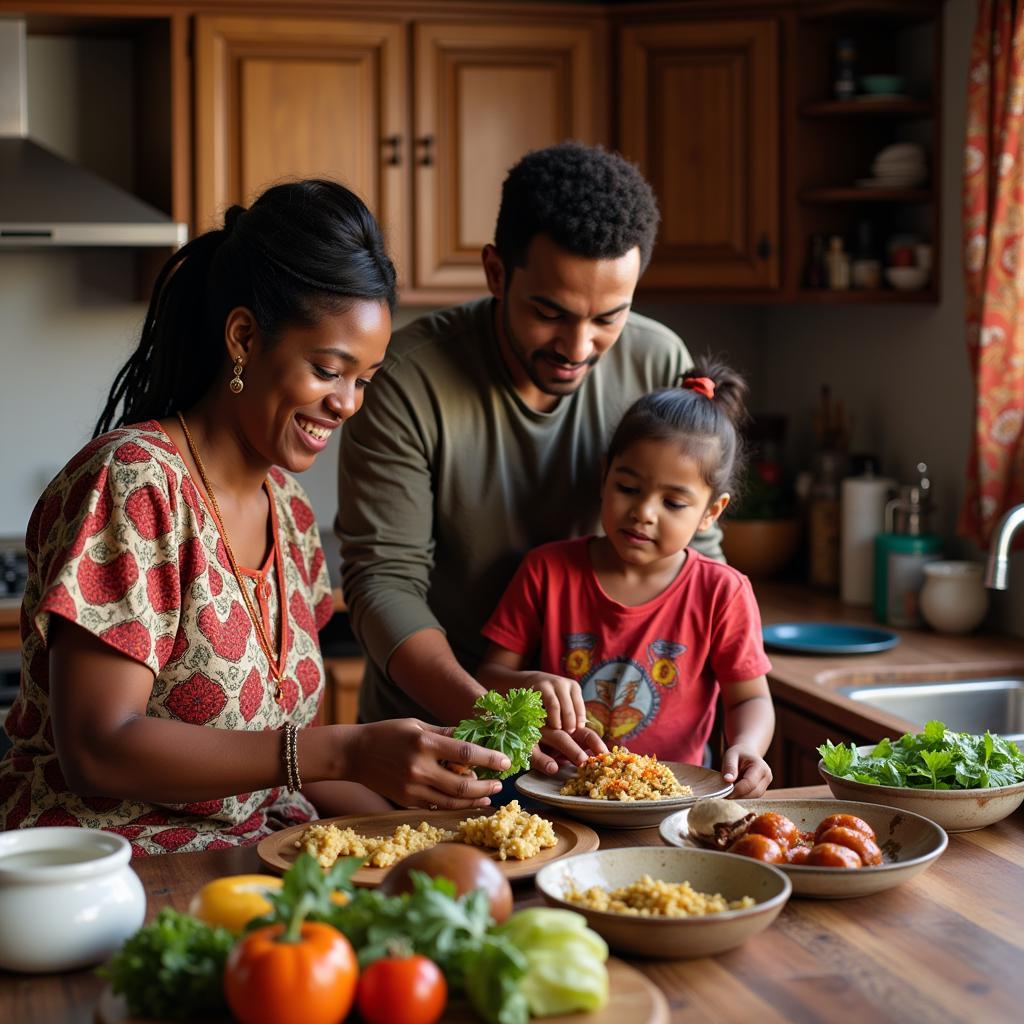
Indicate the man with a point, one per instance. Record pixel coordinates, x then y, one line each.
482 435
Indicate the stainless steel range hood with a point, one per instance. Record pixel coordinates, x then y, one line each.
47 201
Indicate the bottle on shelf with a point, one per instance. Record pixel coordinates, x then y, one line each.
815 274
837 261
866 267
845 85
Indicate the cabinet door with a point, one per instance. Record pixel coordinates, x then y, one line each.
699 114
280 98
485 95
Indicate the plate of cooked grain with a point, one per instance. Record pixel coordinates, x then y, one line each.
520 843
620 789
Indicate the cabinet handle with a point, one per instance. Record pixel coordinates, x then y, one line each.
427 142
764 248
394 142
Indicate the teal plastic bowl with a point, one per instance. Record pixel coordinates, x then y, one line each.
882 84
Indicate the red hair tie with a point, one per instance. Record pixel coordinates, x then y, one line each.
702 385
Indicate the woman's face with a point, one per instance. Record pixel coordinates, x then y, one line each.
301 388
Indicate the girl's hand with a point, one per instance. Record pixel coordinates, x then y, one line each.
572 747
748 770
563 699
401 759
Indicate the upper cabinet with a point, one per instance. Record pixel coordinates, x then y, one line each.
485 95
285 97
699 112
301 98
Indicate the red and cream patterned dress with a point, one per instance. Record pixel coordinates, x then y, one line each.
123 544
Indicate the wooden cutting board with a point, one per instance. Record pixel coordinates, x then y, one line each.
631 997
278 851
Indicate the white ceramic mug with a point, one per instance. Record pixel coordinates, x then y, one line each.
953 598
68 897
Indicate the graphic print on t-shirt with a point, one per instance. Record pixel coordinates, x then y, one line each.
621 695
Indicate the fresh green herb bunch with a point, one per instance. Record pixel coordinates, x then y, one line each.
510 724
936 758
172 969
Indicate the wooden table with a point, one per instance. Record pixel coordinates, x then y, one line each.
946 946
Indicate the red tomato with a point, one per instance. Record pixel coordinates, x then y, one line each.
402 990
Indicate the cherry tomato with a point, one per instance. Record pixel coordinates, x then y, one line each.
864 846
402 990
777 827
759 848
846 821
832 855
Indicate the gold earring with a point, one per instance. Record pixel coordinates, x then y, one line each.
236 383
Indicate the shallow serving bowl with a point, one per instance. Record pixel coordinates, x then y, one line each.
671 937
955 810
705 782
68 897
909 844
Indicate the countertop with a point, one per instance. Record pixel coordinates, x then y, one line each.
945 946
812 682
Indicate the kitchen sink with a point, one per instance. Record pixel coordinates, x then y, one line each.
965 705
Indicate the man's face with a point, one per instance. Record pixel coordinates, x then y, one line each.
558 315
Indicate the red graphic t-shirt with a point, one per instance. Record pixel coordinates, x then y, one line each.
650 673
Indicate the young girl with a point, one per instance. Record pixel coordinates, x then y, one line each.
633 633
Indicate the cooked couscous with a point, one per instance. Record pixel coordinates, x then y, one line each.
620 775
647 897
328 842
510 831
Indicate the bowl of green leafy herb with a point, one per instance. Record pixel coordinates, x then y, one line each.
962 781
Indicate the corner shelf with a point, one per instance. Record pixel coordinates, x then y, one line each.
909 108
852 194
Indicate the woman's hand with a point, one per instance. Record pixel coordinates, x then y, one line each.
572 747
748 770
401 760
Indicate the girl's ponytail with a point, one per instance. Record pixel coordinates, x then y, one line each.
703 414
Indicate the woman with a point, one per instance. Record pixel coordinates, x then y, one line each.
170 665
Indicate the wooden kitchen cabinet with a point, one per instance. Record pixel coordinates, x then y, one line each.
341 693
288 97
485 95
699 113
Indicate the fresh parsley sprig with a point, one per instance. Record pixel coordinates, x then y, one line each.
510 724
935 758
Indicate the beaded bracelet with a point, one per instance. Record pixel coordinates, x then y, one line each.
291 759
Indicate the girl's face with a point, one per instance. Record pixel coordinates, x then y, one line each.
301 388
654 500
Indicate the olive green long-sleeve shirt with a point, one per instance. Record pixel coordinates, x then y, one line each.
447 478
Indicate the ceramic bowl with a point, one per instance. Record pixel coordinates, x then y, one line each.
671 937
906 279
955 810
909 844
886 85
705 782
68 898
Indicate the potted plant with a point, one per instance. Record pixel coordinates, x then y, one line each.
761 530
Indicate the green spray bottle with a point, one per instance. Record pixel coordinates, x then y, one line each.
902 552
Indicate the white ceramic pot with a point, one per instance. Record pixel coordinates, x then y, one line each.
953 598
68 898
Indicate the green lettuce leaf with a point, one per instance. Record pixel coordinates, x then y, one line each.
510 724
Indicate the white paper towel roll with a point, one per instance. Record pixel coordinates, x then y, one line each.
862 515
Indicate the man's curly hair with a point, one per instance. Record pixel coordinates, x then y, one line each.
591 202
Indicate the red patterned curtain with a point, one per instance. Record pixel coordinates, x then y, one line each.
994 263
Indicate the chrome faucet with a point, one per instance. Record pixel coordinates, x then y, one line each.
997 569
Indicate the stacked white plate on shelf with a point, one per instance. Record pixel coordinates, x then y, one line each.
901 165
